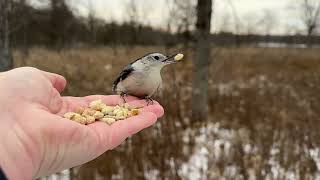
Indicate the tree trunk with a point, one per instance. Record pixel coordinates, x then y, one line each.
25 45
5 53
201 61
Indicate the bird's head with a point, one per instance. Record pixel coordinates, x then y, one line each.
157 60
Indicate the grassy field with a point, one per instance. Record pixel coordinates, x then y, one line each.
264 113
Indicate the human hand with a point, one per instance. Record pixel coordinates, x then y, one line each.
36 141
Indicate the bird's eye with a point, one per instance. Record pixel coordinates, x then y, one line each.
156 57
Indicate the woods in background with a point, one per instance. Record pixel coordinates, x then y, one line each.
57 25
255 111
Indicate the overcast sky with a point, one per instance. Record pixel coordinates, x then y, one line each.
250 12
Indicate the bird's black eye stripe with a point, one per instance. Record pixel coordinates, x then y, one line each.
156 57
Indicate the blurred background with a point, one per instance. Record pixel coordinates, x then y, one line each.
244 103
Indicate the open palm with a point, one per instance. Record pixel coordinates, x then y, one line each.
37 141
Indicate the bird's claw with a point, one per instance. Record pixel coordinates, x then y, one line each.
123 95
149 101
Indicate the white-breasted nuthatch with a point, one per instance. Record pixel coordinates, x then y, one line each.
142 78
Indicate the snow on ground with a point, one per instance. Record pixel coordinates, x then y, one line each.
208 150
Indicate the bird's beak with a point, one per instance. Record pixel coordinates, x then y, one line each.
170 59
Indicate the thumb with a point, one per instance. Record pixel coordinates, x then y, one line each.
57 81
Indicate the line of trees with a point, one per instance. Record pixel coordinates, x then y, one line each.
57 26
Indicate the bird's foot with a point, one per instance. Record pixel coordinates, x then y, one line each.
123 95
149 101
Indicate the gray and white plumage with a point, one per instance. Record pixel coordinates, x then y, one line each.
142 78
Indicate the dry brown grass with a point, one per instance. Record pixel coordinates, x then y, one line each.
268 97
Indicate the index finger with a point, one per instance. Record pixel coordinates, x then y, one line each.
112 136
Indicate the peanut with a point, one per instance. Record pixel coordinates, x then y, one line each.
126 106
178 57
135 112
108 120
80 119
106 110
90 119
97 110
89 112
116 111
98 115
96 105
69 115
125 112
130 114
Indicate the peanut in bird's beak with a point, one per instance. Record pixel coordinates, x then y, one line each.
178 57
174 58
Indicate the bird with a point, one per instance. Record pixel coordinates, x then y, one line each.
142 77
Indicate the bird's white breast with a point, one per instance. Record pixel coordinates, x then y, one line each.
141 82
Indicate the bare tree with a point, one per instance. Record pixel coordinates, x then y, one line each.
310 15
23 22
61 21
250 25
131 9
224 24
92 22
237 22
201 61
137 12
5 52
268 21
184 14
134 17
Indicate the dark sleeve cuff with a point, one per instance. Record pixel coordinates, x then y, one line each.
2 175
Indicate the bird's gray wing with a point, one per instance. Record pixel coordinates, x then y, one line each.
122 76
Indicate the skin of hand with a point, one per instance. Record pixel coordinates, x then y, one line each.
34 138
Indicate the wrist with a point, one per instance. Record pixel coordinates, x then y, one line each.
8 97
5 94
14 159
